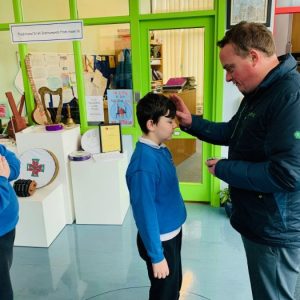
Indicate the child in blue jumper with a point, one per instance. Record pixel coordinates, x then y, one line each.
9 215
157 204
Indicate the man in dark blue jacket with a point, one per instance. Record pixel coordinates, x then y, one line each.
263 165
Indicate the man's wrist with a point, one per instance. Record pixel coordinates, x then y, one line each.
185 128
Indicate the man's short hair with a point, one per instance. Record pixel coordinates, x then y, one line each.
245 36
152 107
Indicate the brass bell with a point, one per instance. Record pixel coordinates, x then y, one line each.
70 121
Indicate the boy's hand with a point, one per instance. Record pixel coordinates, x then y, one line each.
161 269
4 167
183 114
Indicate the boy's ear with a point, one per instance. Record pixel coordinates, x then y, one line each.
150 125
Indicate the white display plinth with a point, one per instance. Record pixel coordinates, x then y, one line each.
61 143
42 217
99 189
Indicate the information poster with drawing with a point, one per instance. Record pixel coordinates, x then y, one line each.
120 106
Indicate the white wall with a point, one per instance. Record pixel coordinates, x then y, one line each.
282 32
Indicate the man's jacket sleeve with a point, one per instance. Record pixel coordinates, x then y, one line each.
211 132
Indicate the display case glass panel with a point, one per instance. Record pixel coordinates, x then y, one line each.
165 6
102 8
45 10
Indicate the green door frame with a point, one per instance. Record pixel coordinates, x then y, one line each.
214 23
190 191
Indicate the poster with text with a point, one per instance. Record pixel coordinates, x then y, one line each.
95 111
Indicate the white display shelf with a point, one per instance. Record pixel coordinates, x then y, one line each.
42 217
61 143
99 189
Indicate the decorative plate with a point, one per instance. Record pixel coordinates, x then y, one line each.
90 141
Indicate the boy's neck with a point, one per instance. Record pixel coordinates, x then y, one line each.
152 139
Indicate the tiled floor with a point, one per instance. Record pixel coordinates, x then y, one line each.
101 262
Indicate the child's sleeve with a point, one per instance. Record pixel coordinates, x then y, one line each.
4 193
14 165
13 162
142 189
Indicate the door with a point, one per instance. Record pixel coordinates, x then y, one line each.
183 48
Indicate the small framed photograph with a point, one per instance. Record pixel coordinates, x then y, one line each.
258 11
110 138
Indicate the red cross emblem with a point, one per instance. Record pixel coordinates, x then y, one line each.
35 168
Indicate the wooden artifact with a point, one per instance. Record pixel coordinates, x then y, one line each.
17 122
43 91
40 114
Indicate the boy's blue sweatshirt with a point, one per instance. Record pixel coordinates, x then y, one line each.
9 206
155 198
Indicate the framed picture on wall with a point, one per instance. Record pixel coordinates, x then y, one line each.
248 10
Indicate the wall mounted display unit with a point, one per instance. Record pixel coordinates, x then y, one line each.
248 10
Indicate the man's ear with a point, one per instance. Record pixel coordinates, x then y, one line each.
254 56
150 125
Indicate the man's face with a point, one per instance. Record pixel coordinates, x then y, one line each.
239 70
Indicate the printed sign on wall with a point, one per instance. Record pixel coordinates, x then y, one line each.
46 32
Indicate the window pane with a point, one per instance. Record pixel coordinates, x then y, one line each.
187 156
164 6
102 8
179 45
6 12
178 54
8 73
287 3
107 67
45 10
